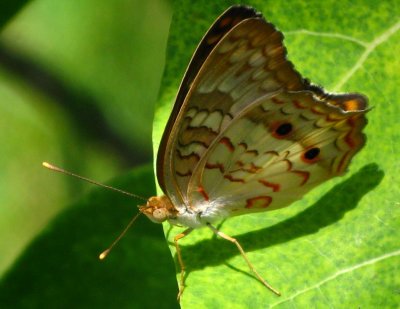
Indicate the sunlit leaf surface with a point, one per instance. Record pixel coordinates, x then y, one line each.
337 247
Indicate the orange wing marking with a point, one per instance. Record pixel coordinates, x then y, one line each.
298 104
351 105
231 178
305 175
253 169
272 152
201 190
244 145
227 142
344 161
290 165
253 152
277 101
329 118
258 202
316 111
349 140
189 156
274 186
219 166
351 122
240 163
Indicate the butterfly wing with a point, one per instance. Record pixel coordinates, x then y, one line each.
248 61
276 150
224 23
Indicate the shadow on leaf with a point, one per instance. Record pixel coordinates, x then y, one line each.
329 209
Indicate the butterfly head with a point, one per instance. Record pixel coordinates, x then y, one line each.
158 209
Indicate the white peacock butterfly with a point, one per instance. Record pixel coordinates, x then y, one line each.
247 133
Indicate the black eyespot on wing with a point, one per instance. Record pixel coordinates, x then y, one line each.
284 129
311 155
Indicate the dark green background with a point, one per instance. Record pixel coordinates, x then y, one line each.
78 85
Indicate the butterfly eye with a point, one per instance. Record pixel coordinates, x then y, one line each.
311 155
283 130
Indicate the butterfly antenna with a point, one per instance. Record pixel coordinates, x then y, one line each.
104 254
60 170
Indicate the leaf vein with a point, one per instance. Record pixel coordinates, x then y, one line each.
338 274
329 35
369 49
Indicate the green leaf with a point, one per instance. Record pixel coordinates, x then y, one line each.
61 269
337 247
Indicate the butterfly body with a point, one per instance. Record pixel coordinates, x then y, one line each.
247 133
159 209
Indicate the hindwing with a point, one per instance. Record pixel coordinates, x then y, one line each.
220 143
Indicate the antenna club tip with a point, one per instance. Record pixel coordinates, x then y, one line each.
50 166
104 254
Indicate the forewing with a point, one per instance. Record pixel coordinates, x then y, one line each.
278 149
247 63
224 23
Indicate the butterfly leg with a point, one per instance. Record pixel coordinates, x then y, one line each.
233 240
180 260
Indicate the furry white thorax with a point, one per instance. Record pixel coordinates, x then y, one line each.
203 213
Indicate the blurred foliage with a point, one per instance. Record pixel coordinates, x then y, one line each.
9 8
338 246
78 82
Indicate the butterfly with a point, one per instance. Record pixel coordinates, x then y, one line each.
247 132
